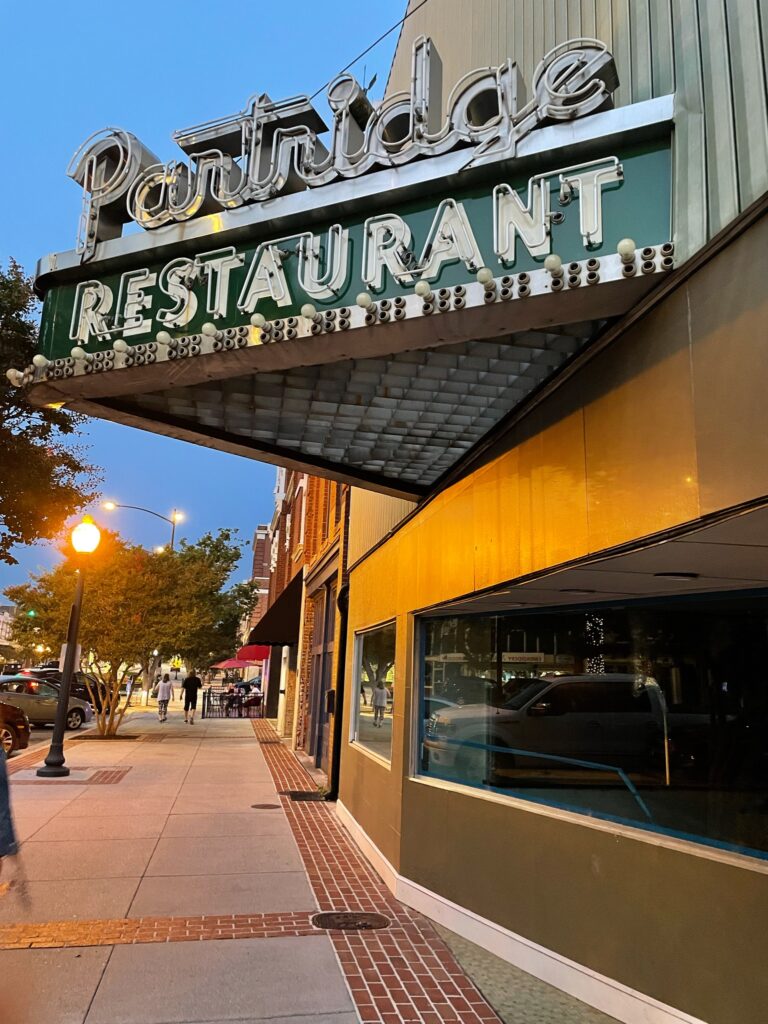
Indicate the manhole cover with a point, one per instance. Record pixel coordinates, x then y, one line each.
266 807
302 794
348 921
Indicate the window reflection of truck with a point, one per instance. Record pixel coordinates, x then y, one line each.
617 720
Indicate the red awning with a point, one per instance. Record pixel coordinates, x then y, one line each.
234 663
253 652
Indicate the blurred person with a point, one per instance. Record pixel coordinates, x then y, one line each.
164 694
379 701
8 845
190 686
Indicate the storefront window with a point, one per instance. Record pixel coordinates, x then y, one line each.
375 675
652 713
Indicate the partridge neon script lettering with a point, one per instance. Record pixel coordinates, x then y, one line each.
272 148
230 284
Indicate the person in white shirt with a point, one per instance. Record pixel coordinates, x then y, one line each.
379 702
164 694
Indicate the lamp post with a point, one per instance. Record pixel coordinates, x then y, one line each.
85 539
174 518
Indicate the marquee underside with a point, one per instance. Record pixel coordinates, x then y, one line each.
393 406
403 420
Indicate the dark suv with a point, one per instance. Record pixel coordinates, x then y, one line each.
77 688
14 729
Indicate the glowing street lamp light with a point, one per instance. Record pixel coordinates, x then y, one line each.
86 536
85 539
174 518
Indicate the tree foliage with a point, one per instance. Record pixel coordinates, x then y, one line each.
44 480
378 654
136 602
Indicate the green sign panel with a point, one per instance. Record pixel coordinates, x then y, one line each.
507 224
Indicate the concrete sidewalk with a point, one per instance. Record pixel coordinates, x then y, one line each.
171 836
138 872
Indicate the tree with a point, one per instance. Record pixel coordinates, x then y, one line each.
137 602
44 480
209 628
378 654
110 627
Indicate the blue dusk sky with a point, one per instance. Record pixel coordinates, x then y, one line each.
68 70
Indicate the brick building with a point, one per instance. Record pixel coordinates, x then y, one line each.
260 572
306 569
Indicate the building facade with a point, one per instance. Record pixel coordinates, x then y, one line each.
595 571
504 336
260 572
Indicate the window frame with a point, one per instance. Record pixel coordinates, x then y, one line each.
352 739
705 847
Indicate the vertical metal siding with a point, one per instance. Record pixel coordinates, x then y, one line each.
711 52
748 97
722 181
371 517
689 190
640 48
662 48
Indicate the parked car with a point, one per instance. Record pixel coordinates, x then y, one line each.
610 719
434 704
78 687
14 729
38 699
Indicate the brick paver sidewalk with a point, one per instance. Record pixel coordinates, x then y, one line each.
403 973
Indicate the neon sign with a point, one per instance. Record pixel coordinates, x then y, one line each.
227 283
274 148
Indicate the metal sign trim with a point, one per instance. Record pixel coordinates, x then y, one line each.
380 188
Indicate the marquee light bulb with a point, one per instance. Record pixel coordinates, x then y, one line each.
484 275
78 352
39 361
626 249
553 263
258 320
120 345
15 377
163 338
308 310
209 329
364 300
422 289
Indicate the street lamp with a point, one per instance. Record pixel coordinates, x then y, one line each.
174 518
85 539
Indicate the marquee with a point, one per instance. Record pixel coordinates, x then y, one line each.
411 242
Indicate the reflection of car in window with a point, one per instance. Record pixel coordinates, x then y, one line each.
615 720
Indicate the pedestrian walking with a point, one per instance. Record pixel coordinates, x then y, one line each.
8 847
164 694
191 685
379 701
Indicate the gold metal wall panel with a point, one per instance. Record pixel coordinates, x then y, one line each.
729 351
641 440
